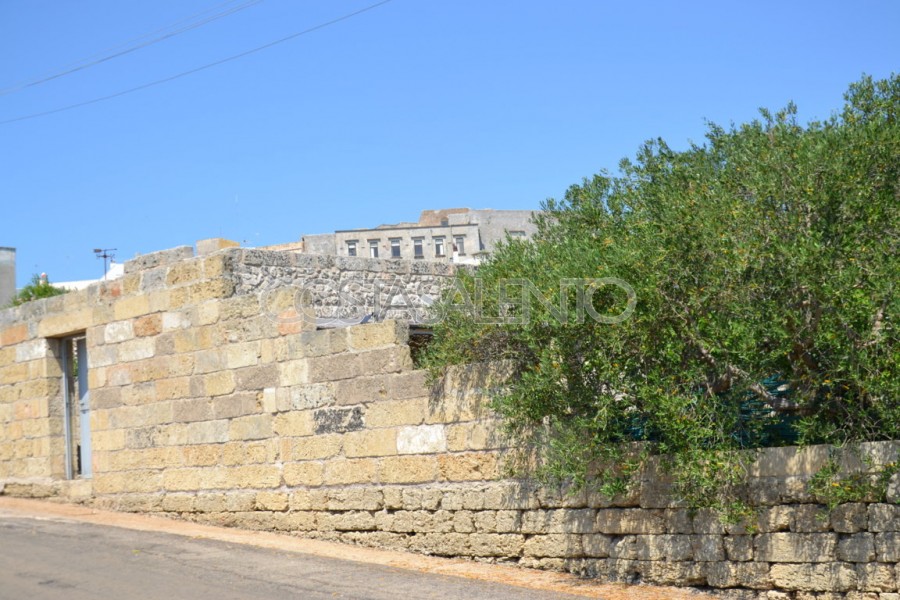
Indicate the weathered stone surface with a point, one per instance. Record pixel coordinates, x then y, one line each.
630 521
560 545
739 547
833 577
707 548
795 547
849 518
752 575
421 439
884 517
876 577
338 420
887 547
810 518
370 442
893 489
772 519
858 548
664 547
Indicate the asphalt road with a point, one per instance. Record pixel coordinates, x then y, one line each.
49 559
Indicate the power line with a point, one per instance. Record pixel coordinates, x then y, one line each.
198 69
134 45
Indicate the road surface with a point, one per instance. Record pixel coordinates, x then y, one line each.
52 551
53 559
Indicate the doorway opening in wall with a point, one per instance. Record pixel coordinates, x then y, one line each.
77 406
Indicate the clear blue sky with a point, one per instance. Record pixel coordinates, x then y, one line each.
415 104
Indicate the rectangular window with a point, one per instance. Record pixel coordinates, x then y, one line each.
351 248
395 248
76 407
439 246
373 248
418 247
460 242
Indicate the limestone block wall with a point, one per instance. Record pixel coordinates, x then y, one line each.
347 287
209 402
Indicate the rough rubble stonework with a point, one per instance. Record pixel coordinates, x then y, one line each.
211 401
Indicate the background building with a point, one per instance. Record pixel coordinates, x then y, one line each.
7 275
458 235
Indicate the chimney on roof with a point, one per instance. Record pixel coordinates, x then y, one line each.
7 275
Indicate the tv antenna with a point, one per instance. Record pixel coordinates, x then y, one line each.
107 255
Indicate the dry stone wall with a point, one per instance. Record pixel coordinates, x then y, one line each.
346 287
211 402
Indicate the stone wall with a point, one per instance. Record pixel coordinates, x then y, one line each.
211 402
345 287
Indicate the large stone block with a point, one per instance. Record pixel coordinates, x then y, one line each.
559 545
252 476
171 389
558 521
849 518
664 547
156 259
887 546
876 577
739 548
202 455
355 499
884 517
396 413
304 473
118 331
257 378
219 384
744 574
252 427
831 577
356 470
32 350
796 547
179 503
305 397
370 442
137 349
313 447
620 521
295 372
407 469
421 439
469 466
789 461
146 326
129 308
360 390
338 420
71 321
377 335
810 518
249 453
859 548
245 354
707 548
294 424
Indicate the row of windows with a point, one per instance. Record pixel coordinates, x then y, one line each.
459 245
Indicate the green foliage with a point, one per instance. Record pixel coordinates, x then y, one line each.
832 487
36 290
764 264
